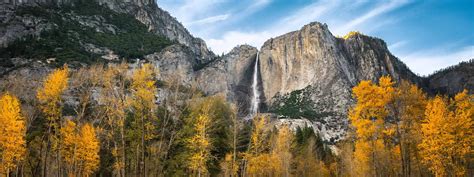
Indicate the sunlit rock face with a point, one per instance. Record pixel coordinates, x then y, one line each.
309 73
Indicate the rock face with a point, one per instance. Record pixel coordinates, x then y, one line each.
452 80
146 11
229 75
232 75
309 73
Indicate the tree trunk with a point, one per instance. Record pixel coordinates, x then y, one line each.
122 132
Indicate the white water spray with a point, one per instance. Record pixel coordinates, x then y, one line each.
256 95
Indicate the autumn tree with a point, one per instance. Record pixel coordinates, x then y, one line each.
12 134
281 151
447 134
115 105
49 96
200 146
232 161
309 155
368 117
87 150
69 139
407 109
143 107
257 159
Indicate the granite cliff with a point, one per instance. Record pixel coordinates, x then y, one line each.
304 77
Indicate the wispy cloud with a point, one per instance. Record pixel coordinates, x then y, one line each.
256 38
317 11
397 45
377 11
208 20
307 14
234 38
426 62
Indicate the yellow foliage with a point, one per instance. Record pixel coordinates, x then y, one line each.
12 133
69 140
50 94
350 34
281 152
447 134
88 150
368 118
257 144
144 88
229 166
200 146
259 162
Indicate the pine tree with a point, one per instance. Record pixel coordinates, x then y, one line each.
12 134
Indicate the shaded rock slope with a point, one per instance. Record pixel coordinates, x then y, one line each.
453 79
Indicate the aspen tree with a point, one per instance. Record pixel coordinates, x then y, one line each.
88 150
281 151
69 139
368 118
200 146
143 104
408 109
447 134
12 134
49 96
116 102
257 159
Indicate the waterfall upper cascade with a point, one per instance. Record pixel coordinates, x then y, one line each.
255 101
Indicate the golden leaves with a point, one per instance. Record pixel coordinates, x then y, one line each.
447 134
12 133
50 94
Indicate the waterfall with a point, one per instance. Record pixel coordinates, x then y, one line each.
255 101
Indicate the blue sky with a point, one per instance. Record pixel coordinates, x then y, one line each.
426 35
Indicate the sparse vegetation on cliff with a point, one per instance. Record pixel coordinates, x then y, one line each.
74 27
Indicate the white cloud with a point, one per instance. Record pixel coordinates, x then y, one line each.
397 45
234 38
256 38
379 10
426 62
307 14
208 20
317 11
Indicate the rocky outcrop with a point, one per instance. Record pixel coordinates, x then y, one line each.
232 75
146 11
309 73
228 75
452 80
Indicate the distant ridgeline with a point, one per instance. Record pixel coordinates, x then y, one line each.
84 32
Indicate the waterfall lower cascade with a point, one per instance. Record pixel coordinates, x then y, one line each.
255 101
